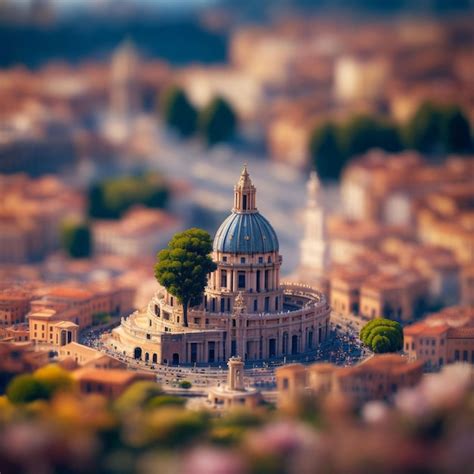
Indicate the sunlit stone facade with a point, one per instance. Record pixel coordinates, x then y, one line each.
245 311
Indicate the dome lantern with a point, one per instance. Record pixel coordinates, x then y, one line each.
244 193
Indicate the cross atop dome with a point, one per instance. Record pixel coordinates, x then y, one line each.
244 193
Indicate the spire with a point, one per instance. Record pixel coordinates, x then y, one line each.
313 186
244 193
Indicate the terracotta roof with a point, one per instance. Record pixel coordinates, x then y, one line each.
425 329
70 293
110 376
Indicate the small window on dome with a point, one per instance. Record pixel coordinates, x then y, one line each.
244 202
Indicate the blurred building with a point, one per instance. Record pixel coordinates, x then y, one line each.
446 217
438 264
84 303
383 187
360 78
140 232
31 214
14 306
379 377
19 358
442 338
110 383
85 356
373 287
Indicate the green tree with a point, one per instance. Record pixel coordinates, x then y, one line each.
423 131
138 395
54 378
182 268
110 198
217 121
26 388
186 384
382 335
325 151
76 239
166 400
178 112
455 130
362 132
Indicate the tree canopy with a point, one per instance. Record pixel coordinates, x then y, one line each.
26 388
177 111
182 267
326 151
110 198
217 121
432 130
437 128
41 385
76 239
382 335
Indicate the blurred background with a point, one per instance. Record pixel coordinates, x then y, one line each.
189 90
123 122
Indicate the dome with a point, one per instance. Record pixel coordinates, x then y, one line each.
246 233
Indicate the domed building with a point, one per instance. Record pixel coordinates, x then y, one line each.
245 311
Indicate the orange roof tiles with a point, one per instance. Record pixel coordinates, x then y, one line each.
70 293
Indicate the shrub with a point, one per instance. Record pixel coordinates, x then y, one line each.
138 395
54 379
26 388
185 384
382 335
166 400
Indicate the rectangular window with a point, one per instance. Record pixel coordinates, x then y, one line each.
255 305
241 281
223 279
276 303
222 305
456 355
267 303
260 259
242 259
224 258
244 202
267 274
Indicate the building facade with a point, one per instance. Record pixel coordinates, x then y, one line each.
376 378
245 311
442 338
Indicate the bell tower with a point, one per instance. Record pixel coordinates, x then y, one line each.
314 247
